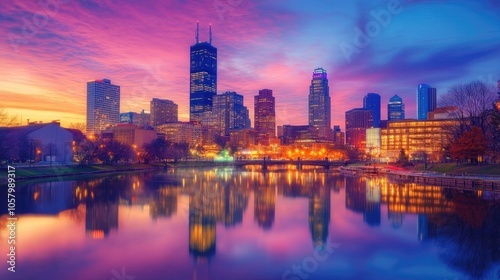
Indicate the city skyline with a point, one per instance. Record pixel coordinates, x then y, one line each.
154 64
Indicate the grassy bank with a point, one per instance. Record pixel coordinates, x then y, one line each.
75 170
452 168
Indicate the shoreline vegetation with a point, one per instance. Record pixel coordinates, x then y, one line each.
25 172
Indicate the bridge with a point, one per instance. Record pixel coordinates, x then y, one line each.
265 163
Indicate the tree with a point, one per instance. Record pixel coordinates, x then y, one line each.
472 107
112 151
494 147
469 146
403 157
471 104
7 120
79 126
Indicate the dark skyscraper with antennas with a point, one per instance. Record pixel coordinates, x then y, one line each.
203 76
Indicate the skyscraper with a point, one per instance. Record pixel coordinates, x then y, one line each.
228 113
396 108
103 105
356 123
319 105
163 111
203 77
372 102
265 116
426 101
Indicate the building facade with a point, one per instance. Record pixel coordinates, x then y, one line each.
163 111
203 77
265 116
243 138
320 105
228 113
103 105
142 119
372 102
338 136
356 123
373 141
36 142
182 132
396 109
426 101
418 138
290 134
131 135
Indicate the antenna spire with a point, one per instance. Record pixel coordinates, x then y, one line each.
210 33
197 32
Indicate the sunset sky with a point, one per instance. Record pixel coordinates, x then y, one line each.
49 51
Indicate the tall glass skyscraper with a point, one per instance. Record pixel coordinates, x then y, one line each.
203 77
103 105
320 105
426 101
396 108
265 116
372 102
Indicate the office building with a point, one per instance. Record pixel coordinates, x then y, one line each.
228 113
426 101
418 138
338 136
265 116
373 141
163 111
372 102
243 138
356 122
131 135
396 109
103 105
290 134
203 77
320 105
182 132
141 119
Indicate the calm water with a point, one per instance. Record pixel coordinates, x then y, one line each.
244 224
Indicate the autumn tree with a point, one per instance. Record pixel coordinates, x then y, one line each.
469 146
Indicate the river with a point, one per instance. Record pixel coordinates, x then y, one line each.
226 223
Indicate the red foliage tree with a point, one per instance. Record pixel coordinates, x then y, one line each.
470 145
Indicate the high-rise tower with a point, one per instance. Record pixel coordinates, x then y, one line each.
265 116
319 105
395 108
372 102
103 105
203 76
426 101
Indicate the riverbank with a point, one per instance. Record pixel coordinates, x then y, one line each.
454 169
38 172
26 172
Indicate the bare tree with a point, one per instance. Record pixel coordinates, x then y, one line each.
7 120
79 126
471 104
472 107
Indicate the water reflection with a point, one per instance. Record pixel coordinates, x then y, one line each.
462 224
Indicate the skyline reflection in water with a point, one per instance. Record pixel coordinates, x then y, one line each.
241 224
